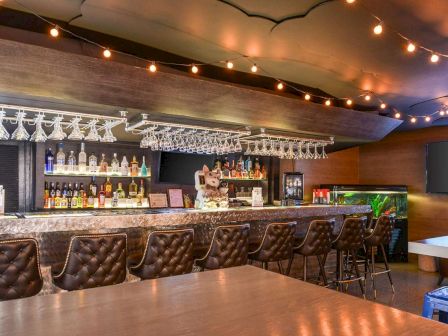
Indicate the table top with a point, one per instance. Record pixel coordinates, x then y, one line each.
236 301
435 247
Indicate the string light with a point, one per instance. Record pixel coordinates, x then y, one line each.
307 97
397 115
229 65
152 67
442 113
367 97
107 53
54 32
350 1
383 106
328 102
378 29
434 58
280 86
349 102
254 68
411 47
413 120
427 118
194 69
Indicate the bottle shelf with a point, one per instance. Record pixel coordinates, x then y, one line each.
96 174
242 179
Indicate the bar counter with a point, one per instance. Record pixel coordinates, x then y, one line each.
53 231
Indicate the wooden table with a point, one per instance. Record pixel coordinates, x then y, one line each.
433 247
237 301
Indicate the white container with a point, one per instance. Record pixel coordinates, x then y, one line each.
2 200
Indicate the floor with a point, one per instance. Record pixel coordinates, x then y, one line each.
410 285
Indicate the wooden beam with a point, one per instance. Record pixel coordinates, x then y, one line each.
37 73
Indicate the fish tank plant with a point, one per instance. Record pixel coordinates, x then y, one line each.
387 200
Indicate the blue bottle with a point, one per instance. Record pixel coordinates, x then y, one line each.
49 161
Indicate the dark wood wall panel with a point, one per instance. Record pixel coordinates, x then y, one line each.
9 175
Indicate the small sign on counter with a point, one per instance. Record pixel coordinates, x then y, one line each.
158 201
257 197
176 198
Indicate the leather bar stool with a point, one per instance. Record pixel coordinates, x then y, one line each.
93 261
20 275
317 242
166 253
229 248
379 236
276 245
349 240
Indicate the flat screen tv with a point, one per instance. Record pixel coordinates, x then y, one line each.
437 167
179 168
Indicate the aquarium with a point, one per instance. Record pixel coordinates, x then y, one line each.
388 200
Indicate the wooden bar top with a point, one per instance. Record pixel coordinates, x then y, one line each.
237 301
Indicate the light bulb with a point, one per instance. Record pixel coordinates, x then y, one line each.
367 97
307 97
254 68
328 102
152 67
378 29
397 115
350 1
229 65
54 32
434 58
280 86
442 113
194 69
411 47
349 102
413 120
383 106
427 118
107 53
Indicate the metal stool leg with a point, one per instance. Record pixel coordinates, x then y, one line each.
288 269
304 267
386 264
322 270
372 276
362 281
280 267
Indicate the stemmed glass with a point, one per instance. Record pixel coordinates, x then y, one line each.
4 135
58 133
93 131
76 133
20 133
39 134
108 135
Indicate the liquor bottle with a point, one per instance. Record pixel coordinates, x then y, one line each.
46 195
82 159
239 168
225 167
233 170
103 164
141 190
120 192
93 163
49 161
108 188
52 195
264 173
133 189
58 190
134 166
257 169
69 196
71 162
115 164
143 169
124 167
248 164
101 197
82 198
75 195
93 189
115 199
63 201
217 165
60 159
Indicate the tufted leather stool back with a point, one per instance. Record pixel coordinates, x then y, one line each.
382 232
229 247
166 253
20 275
351 236
277 243
94 261
317 240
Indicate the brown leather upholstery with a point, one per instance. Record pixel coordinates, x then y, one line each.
381 233
166 253
229 247
94 261
19 269
351 236
317 240
277 243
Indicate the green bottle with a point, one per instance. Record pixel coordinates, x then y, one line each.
144 170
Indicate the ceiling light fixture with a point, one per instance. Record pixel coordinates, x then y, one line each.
367 97
229 65
107 53
442 112
328 102
350 1
378 29
152 68
280 86
194 69
307 97
349 102
427 118
54 32
434 58
397 115
383 106
254 68
413 120
411 47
